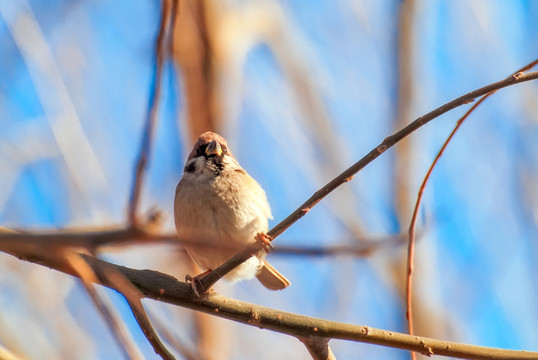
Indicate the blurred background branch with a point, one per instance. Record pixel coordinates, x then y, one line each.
301 90
33 251
163 43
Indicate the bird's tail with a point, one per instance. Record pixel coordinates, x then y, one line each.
271 278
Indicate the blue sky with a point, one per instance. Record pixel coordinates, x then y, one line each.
75 79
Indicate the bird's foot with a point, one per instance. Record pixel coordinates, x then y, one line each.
265 240
197 285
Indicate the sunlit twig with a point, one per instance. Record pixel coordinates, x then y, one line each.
412 226
133 297
211 278
172 339
88 278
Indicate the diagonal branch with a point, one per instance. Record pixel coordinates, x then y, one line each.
167 14
133 297
87 278
162 287
170 336
215 275
5 354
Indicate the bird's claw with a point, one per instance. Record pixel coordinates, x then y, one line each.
265 240
196 284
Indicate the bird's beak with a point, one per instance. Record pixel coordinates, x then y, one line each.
213 148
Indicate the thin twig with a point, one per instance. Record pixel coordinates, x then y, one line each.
87 278
412 226
215 275
133 297
411 248
162 287
387 143
171 338
162 51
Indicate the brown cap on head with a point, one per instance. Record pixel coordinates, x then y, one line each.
205 139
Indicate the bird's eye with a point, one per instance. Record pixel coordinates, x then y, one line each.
224 149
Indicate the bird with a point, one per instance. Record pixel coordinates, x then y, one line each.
219 210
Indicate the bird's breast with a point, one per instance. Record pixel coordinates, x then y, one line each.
217 210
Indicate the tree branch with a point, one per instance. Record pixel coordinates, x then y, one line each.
162 287
87 278
170 336
390 141
133 298
211 278
92 240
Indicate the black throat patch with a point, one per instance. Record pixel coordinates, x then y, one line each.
190 167
216 164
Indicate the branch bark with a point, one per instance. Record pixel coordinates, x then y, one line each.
162 287
318 348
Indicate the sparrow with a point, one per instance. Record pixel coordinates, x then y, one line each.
219 209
